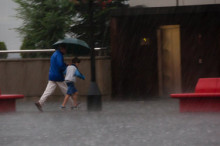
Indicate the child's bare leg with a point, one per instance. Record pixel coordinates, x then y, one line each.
75 97
65 100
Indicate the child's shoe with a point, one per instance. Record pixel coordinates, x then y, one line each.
63 108
77 106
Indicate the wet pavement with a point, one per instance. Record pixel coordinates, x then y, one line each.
138 123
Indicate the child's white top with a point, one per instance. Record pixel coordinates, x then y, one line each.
70 73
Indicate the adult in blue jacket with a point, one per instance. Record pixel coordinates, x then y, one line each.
56 77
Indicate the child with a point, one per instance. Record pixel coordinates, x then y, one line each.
71 73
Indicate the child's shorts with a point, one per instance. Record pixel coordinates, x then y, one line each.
71 88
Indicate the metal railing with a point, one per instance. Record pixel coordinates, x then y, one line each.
27 51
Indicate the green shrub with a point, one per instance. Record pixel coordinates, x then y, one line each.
3 47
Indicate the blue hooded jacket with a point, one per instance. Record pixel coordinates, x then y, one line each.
57 66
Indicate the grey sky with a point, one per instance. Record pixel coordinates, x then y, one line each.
7 24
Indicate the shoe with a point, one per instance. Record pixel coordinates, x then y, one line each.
77 106
62 108
39 107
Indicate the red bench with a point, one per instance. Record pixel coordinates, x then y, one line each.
7 102
205 99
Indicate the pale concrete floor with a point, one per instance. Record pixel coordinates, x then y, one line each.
150 123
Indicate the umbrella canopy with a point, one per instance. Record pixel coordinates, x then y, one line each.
74 46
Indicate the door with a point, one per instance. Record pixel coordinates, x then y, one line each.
169 59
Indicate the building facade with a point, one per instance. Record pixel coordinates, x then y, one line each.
158 51
167 3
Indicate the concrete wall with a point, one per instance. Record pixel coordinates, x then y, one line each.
30 76
164 3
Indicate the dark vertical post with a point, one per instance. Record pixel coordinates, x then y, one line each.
91 40
177 2
94 100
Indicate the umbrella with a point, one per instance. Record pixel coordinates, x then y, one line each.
74 46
